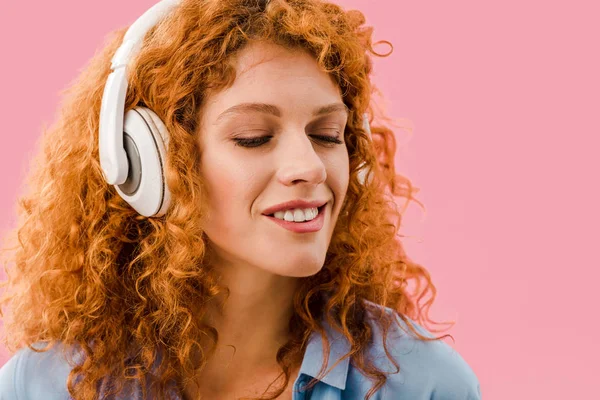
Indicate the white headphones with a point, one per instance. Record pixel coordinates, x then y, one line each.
133 147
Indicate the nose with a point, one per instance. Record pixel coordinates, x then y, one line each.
299 161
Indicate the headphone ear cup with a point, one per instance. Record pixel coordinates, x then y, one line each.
363 169
145 139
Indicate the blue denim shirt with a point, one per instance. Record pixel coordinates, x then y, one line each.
428 371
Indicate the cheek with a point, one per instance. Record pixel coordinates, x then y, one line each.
229 183
341 169
339 178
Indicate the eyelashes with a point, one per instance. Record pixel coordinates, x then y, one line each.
258 141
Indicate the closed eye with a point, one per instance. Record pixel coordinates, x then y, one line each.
258 141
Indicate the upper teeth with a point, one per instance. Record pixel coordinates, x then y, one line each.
297 214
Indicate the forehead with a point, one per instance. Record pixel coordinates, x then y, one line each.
266 73
259 53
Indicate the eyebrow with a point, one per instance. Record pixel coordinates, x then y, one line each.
274 110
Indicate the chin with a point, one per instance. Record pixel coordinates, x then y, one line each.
298 272
307 271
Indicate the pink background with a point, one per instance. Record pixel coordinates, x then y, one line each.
503 101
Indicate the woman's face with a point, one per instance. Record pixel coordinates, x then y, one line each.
292 162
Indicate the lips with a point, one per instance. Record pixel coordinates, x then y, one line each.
318 208
290 205
306 227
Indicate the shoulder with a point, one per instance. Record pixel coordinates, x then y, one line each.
34 375
428 370
31 375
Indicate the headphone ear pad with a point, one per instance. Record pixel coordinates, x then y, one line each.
145 140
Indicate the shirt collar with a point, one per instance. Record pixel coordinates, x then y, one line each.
314 357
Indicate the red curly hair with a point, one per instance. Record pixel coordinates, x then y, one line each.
89 271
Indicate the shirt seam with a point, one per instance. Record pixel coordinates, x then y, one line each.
16 376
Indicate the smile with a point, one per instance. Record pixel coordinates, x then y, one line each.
313 225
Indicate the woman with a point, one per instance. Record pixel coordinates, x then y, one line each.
264 264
